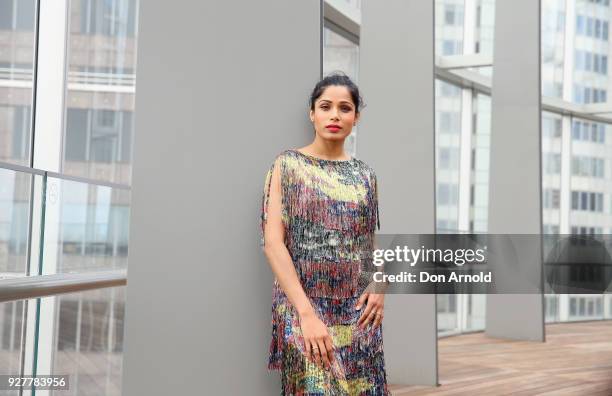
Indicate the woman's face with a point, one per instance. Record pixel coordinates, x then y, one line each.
334 113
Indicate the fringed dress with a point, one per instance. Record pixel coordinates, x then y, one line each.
330 214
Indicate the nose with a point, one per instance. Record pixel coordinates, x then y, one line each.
334 114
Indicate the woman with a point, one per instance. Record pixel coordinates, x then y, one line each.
318 221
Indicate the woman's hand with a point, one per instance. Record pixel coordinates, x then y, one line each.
317 341
373 312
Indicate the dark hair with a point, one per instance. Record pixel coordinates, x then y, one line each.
337 78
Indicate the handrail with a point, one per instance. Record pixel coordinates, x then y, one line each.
23 288
55 175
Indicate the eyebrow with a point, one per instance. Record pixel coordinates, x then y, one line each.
343 101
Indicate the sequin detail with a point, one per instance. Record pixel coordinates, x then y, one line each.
330 214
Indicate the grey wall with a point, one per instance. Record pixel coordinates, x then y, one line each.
396 138
222 88
515 174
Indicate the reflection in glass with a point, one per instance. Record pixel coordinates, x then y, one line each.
553 46
447 313
12 327
591 48
551 172
448 144
89 333
462 312
449 17
451 29
481 146
485 23
15 197
575 58
17 40
590 177
93 227
341 53
101 87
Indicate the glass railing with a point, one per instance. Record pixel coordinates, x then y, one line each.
460 312
63 268
465 313
12 330
16 205
86 226
89 333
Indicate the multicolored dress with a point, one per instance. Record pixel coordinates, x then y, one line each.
330 214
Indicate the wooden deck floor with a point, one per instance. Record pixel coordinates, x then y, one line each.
576 359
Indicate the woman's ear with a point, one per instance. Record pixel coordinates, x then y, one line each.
357 115
311 116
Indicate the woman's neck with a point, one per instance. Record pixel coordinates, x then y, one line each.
325 151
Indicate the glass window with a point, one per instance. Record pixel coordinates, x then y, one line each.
578 94
579 24
449 14
447 194
17 20
599 202
88 329
340 51
99 123
104 17
578 60
573 311
587 95
576 129
552 163
588 60
448 47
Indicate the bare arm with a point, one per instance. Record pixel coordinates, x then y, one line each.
374 299
277 254
313 329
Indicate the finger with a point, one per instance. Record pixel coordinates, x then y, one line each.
365 313
323 350
308 350
361 301
329 344
378 319
369 318
316 352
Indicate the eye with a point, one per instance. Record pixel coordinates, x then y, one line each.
346 109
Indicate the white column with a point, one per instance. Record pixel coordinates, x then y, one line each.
465 159
566 124
48 130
